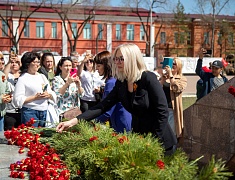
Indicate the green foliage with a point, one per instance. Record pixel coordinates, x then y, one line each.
182 34
96 152
210 171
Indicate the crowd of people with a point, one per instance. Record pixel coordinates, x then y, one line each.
114 87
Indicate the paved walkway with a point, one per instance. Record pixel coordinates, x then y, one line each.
8 154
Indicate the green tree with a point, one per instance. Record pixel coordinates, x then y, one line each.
182 31
136 7
70 11
225 37
216 6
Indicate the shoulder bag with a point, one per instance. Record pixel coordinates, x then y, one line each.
72 113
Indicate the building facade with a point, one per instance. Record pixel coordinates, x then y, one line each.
187 38
45 30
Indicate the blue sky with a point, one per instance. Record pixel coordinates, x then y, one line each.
189 5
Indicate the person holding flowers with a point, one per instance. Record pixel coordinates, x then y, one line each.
140 93
119 117
32 91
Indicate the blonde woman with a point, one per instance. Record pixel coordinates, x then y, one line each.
140 93
174 83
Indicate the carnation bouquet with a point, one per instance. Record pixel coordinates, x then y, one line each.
95 151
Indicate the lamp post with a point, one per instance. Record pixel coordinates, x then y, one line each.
151 37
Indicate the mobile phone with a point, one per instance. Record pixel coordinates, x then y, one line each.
45 88
73 72
167 62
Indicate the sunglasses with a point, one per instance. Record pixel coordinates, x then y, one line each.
90 61
119 59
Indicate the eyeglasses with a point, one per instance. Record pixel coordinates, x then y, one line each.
38 62
90 61
119 59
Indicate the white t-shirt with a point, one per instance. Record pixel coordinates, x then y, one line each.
30 85
90 81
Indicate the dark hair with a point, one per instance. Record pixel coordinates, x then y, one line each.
60 63
104 58
26 59
93 67
44 57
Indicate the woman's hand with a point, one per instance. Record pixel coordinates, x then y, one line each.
66 125
77 81
6 98
201 55
70 80
97 90
168 72
45 95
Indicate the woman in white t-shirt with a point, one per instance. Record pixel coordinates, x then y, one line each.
91 83
32 91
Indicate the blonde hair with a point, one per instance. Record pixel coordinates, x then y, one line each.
179 66
133 63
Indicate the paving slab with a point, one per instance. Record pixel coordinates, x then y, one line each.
8 154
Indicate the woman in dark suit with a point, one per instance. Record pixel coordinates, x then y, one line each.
140 93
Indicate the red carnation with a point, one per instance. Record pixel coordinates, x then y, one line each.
12 167
160 164
21 175
21 150
3 78
122 139
93 138
114 134
231 90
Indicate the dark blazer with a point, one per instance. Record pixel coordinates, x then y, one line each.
206 77
147 105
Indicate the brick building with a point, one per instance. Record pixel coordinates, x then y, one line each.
112 26
197 33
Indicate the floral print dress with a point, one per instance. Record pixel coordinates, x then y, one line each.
69 99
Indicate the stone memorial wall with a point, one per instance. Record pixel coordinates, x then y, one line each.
209 127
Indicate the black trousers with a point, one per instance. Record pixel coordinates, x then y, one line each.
85 105
12 120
